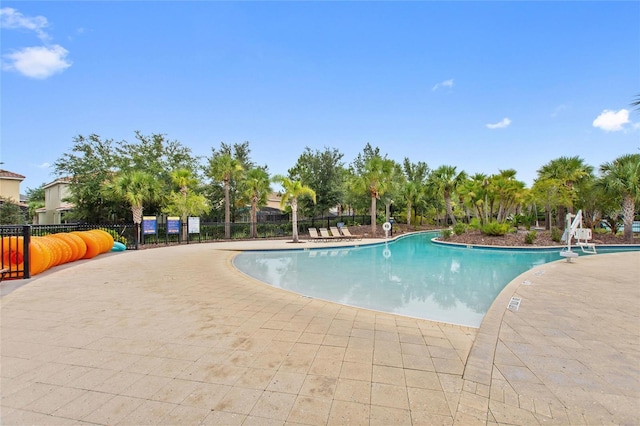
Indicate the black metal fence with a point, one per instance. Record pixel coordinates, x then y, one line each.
15 240
14 246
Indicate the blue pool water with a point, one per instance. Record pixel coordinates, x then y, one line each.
410 276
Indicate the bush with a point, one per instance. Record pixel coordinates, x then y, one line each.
516 220
601 231
556 234
495 229
474 223
459 228
445 234
530 237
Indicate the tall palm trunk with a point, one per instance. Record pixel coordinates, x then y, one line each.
373 215
447 203
628 210
254 217
227 211
294 219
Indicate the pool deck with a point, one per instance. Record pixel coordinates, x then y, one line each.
176 335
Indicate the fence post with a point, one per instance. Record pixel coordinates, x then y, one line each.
26 241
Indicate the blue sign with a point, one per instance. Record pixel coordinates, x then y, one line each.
149 225
173 225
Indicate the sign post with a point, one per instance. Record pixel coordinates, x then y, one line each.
149 227
173 226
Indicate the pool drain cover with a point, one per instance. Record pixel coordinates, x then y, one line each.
514 303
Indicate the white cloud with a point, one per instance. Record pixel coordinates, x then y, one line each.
499 125
37 62
446 83
612 121
44 165
12 19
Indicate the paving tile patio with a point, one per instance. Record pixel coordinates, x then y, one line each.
177 336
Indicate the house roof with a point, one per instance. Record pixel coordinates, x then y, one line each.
6 174
62 180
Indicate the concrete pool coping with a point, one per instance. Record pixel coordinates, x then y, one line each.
86 343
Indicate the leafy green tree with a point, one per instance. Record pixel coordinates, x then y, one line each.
157 156
621 178
446 181
293 190
93 161
255 190
134 188
90 162
323 171
549 193
36 200
224 168
11 213
596 204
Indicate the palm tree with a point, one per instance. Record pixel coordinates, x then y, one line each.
568 171
411 193
183 179
475 193
509 192
293 189
256 190
185 203
636 103
135 188
223 168
375 180
414 188
622 178
447 181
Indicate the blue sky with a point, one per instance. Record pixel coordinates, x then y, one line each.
482 86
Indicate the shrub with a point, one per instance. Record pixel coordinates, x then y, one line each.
516 220
530 237
495 229
475 223
556 234
445 234
459 228
601 231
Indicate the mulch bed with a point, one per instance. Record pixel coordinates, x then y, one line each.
543 238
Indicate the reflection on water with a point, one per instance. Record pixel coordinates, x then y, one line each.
410 276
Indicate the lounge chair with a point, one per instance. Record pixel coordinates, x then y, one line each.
313 235
345 231
325 234
336 233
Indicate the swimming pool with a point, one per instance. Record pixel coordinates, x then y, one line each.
409 276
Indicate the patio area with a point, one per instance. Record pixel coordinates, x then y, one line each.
177 336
